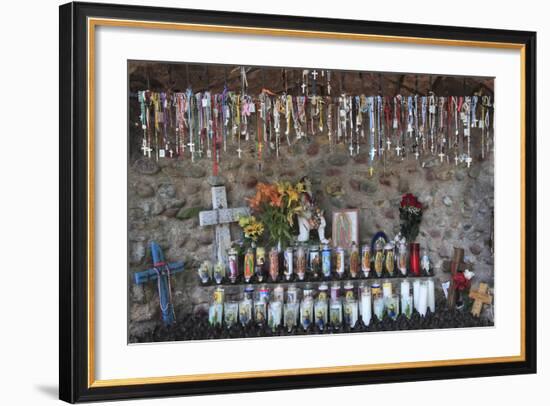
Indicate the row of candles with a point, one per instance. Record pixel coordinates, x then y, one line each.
322 306
312 262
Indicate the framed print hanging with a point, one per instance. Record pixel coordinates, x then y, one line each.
217 205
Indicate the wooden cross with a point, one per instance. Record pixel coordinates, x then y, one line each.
480 297
456 264
221 217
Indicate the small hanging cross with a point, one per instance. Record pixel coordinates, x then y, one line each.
389 143
314 74
398 149
480 297
441 156
303 88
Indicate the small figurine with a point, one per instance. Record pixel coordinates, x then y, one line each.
311 217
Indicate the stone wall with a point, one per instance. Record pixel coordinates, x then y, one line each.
164 199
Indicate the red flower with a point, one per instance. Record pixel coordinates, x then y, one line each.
410 200
460 281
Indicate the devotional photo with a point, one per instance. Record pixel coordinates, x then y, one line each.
281 201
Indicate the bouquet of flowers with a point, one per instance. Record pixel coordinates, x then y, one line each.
410 213
274 207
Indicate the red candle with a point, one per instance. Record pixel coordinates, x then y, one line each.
414 254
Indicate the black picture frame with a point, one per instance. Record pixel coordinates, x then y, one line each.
74 379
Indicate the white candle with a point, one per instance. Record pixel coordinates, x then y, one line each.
422 299
366 306
416 293
405 288
431 295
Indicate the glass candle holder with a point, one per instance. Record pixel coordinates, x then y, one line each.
354 261
335 314
320 310
260 313
301 262
290 315
326 261
350 312
233 264
389 254
365 260
402 258
407 304
314 260
230 313
219 272
205 271
306 312
288 263
245 310
275 314
274 264
378 307
379 258
392 306
340 256
249 264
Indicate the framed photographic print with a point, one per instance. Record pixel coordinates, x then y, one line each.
291 194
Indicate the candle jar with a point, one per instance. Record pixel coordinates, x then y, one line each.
301 262
336 314
260 256
431 294
366 304
350 312
259 272
288 263
231 311
379 258
425 264
392 306
389 254
290 315
205 271
219 272
260 313
215 312
414 254
406 304
245 306
340 262
275 314
365 260
314 261
249 264
348 291
326 261
354 261
402 258
378 307
306 311
422 306
263 294
376 290
233 264
274 264
320 308
279 293
292 294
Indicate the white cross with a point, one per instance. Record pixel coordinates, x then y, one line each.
416 154
372 152
221 217
303 87
389 144
468 161
441 155
191 145
239 152
398 149
351 149
314 74
456 160
171 153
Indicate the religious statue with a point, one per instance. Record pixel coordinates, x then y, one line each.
311 216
